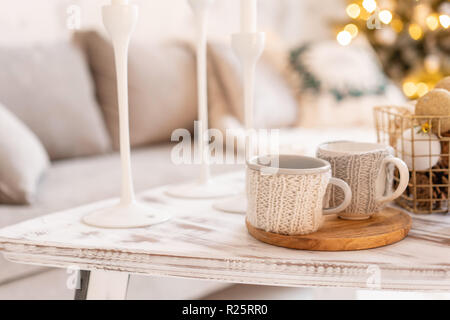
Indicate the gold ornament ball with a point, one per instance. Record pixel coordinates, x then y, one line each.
443 84
435 103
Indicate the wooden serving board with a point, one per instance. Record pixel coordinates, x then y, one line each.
386 227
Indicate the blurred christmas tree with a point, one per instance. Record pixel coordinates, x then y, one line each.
411 37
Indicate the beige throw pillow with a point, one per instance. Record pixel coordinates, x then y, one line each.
50 89
162 88
23 160
340 89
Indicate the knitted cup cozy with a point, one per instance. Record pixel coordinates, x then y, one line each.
360 171
289 204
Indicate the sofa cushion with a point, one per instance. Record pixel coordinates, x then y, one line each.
340 89
23 160
50 89
162 88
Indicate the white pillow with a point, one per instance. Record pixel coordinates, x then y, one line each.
23 160
339 86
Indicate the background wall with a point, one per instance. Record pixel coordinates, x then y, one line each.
25 21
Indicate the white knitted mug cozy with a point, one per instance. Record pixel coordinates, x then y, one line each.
368 169
285 193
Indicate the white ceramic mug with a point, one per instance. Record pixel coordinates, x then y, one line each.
366 168
286 193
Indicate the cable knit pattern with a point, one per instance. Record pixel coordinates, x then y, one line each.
288 204
360 171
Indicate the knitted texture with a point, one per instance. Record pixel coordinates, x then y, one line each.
289 204
360 171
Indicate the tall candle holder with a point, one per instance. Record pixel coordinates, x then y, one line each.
120 19
248 47
206 187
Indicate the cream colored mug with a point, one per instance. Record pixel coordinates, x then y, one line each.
366 167
286 193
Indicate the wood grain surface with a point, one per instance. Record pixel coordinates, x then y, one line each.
386 227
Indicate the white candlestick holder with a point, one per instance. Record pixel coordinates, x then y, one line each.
249 48
120 19
206 187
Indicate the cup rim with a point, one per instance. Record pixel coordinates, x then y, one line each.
323 165
377 147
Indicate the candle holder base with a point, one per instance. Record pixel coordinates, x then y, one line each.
209 190
236 204
135 215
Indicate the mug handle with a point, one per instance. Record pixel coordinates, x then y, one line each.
404 178
347 196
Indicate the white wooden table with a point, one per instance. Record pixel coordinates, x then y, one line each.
202 243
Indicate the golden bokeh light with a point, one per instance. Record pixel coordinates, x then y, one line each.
409 88
385 16
352 29
353 10
397 25
432 22
415 31
422 89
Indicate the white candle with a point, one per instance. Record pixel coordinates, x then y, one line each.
249 12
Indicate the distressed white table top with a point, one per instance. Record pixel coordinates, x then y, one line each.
202 243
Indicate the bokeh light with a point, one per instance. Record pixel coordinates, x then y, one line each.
353 10
385 16
422 89
344 38
415 31
444 20
369 5
397 25
409 88
432 22
352 29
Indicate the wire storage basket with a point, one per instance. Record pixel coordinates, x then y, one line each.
423 143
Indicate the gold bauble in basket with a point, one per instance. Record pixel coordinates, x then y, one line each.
435 103
443 84
429 188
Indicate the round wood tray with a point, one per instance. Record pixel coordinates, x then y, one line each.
386 227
